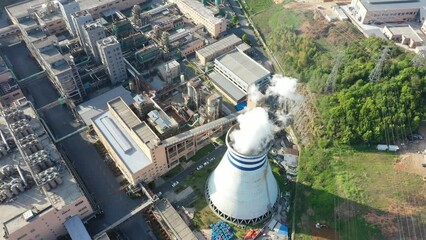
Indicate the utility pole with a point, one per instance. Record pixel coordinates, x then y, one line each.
377 71
330 85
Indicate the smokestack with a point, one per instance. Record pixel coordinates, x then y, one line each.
242 189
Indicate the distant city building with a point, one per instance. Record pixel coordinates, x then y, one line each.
169 71
92 33
68 7
235 72
214 50
112 57
200 14
405 35
378 11
9 89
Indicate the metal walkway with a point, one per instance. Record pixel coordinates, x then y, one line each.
35 76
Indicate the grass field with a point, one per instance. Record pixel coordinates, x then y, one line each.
202 152
356 193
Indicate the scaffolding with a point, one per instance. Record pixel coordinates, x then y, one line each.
222 231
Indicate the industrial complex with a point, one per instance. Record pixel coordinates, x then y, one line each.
148 85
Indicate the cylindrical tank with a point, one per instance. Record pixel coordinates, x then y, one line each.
182 78
36 168
20 187
47 187
8 193
14 189
52 183
58 179
42 164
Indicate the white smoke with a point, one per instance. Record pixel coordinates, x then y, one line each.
254 133
256 129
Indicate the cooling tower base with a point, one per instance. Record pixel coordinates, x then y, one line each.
237 221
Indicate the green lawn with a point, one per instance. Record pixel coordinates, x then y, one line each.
202 152
176 170
341 187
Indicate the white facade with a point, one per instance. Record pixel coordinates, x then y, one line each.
201 15
242 189
67 9
92 33
169 70
79 20
368 12
112 57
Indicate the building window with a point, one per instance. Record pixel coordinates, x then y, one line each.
82 209
22 237
79 203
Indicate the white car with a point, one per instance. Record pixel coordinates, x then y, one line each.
200 167
175 184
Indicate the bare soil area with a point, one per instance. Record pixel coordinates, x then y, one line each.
324 233
412 157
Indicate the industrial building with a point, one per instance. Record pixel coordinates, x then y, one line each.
78 20
92 33
39 192
9 89
67 8
404 35
235 72
200 14
144 148
239 181
377 11
214 50
169 71
112 58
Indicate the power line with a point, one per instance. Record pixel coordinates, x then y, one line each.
377 71
330 85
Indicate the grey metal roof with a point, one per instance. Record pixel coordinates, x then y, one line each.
377 5
76 229
98 105
233 92
243 66
212 49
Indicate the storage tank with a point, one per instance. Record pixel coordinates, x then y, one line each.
58 179
242 189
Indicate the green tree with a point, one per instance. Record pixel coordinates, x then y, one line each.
234 20
245 39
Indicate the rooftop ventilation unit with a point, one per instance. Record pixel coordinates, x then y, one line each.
242 189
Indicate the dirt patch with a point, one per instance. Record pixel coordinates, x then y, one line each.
386 221
325 233
411 163
346 210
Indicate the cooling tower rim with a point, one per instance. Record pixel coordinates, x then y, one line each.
230 148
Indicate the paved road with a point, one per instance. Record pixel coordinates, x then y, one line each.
245 28
97 177
167 186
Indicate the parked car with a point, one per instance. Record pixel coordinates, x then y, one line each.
159 194
175 184
200 167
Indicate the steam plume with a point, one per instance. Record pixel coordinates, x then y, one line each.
256 128
255 132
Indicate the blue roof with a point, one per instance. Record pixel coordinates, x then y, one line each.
283 230
240 106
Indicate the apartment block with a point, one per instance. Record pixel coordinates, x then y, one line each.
112 57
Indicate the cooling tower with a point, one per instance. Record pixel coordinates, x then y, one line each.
242 189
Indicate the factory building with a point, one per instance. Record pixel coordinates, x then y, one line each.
239 181
200 14
191 47
141 154
404 35
235 72
377 11
79 19
169 71
9 89
68 7
39 192
42 44
112 57
214 50
92 33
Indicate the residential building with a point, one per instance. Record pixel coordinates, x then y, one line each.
378 11
9 89
405 35
214 50
200 14
112 57
68 7
169 70
235 72
37 197
92 33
